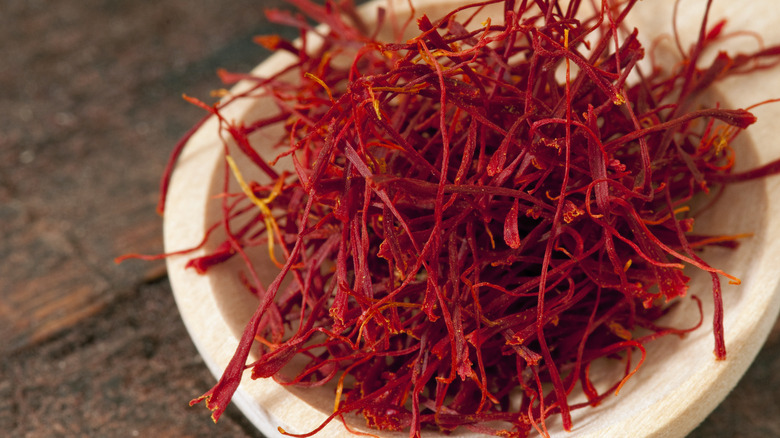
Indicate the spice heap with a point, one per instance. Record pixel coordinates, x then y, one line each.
477 213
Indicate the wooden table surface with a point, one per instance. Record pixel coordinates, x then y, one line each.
90 108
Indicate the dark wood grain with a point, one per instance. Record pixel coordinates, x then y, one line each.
90 108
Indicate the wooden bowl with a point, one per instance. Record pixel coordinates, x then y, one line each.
679 384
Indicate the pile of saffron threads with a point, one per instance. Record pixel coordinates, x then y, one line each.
477 213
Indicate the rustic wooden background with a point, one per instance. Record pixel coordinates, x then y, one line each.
90 108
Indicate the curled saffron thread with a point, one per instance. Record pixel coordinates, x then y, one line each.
270 224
